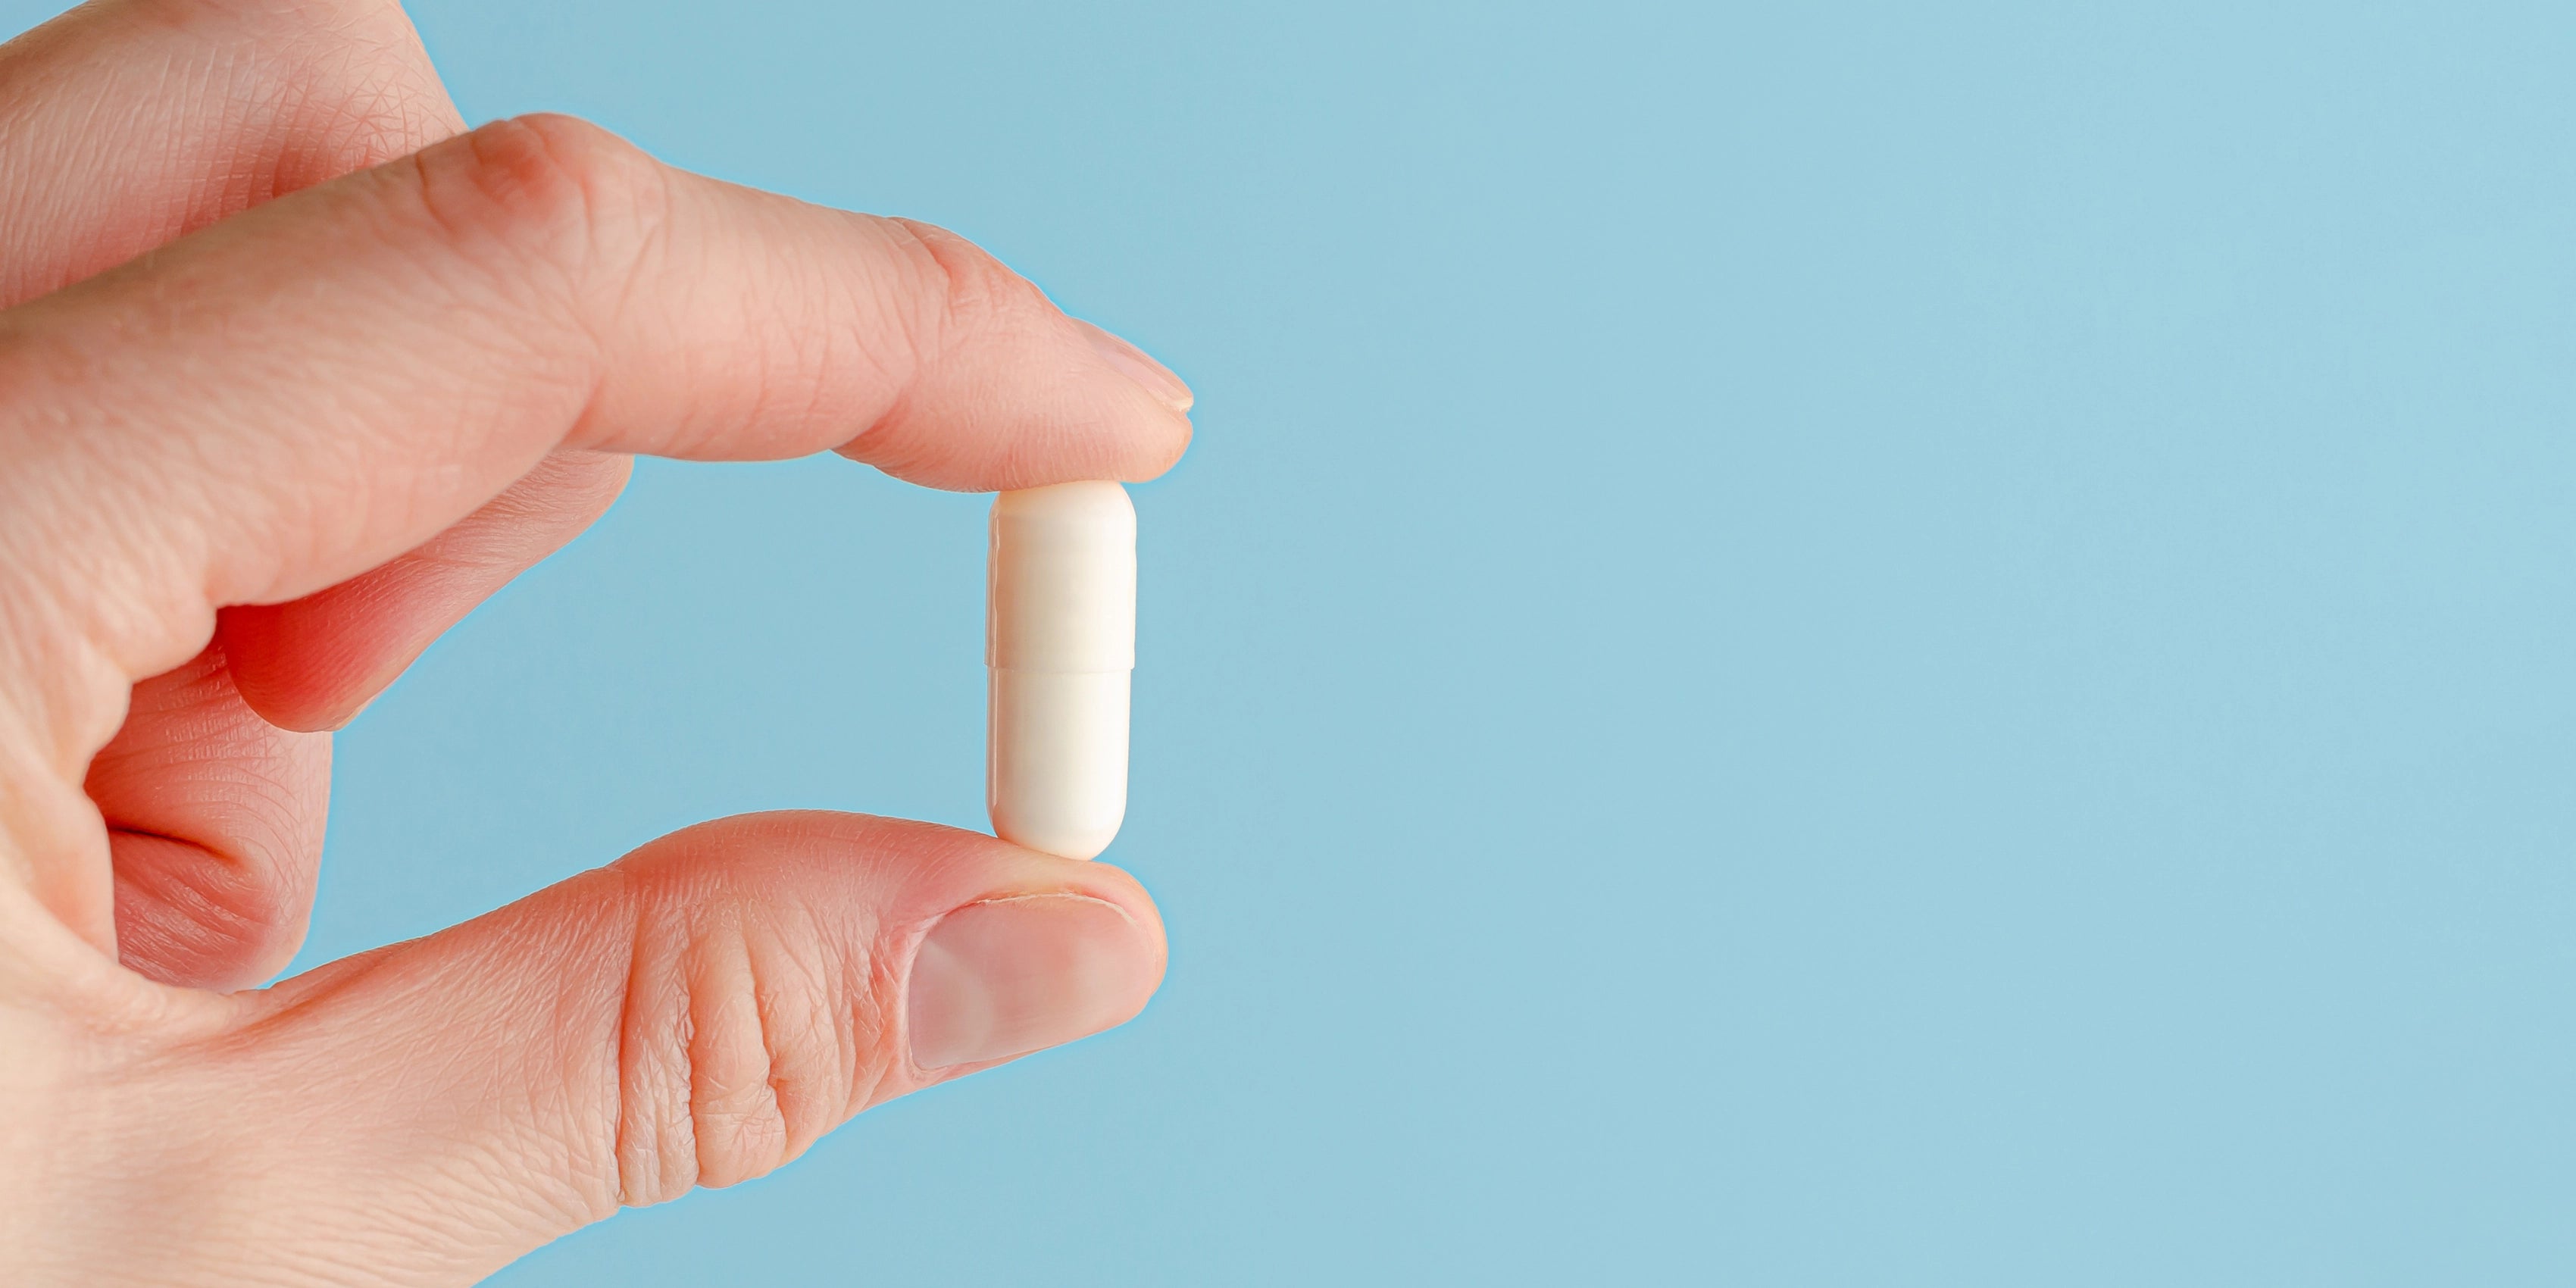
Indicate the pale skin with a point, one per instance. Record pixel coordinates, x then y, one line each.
293 373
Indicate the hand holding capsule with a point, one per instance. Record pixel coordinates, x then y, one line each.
246 478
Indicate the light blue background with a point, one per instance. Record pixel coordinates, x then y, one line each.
1908 644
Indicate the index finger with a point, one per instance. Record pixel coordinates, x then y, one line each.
312 387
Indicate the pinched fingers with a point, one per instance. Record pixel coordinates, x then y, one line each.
310 389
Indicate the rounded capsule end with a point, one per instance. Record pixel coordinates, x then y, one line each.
1090 501
1057 777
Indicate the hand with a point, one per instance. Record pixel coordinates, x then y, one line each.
363 373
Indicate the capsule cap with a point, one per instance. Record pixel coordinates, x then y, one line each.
1061 589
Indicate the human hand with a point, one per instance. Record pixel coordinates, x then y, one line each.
247 477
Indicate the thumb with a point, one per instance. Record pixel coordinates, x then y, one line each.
697 1013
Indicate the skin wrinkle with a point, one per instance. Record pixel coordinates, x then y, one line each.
622 1107
736 1122
251 832
739 962
910 247
653 1076
245 110
818 349
768 996
763 1137
222 843
627 1111
866 1026
184 913
682 1119
781 976
803 358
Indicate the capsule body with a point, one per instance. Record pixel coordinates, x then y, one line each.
1060 639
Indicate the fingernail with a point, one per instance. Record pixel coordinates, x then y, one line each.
1011 976
1132 363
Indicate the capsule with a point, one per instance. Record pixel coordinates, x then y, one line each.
1060 642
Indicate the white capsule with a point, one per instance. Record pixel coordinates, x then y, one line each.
1060 637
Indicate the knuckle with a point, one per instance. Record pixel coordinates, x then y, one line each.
743 1043
551 188
960 288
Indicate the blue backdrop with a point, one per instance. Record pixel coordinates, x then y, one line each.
1888 644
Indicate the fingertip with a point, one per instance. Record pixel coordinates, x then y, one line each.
1003 390
281 673
1127 360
